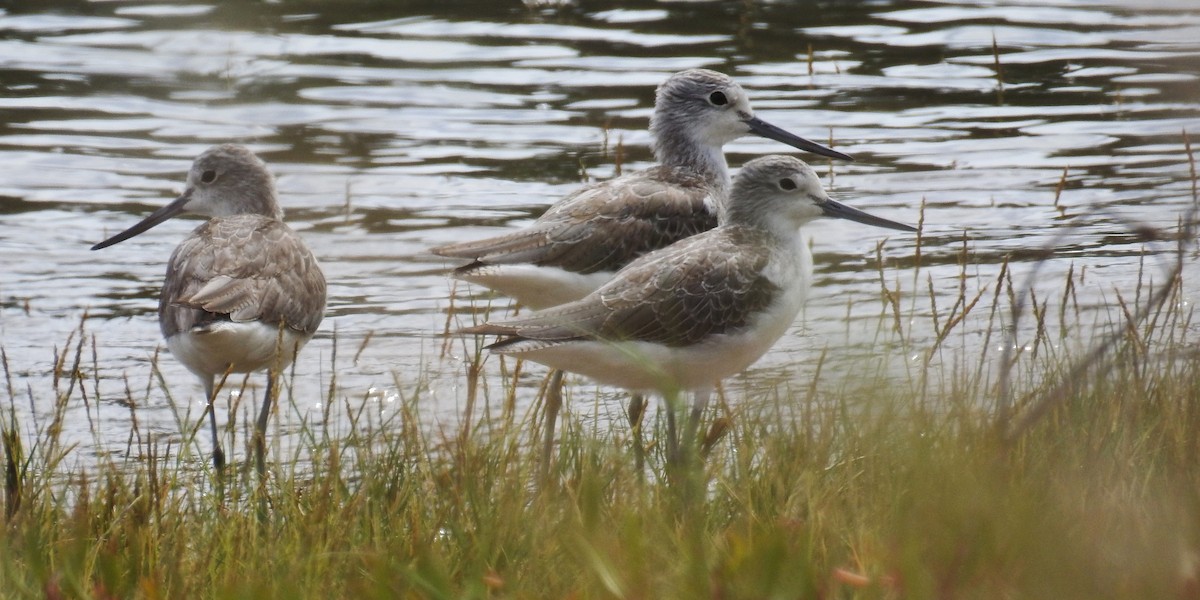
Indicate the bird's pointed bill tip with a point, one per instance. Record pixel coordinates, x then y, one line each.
162 214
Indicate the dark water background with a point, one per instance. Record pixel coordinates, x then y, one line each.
395 126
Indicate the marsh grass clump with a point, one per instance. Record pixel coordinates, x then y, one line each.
844 488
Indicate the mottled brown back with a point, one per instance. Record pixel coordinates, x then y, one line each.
605 226
242 268
709 284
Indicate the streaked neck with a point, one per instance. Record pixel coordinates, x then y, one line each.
676 148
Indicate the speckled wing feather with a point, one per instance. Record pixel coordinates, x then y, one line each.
604 226
242 268
708 284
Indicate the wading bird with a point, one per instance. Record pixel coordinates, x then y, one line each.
581 241
242 292
684 317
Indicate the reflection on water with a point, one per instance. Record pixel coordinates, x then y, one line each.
394 127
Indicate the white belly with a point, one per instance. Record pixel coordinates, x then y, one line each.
246 346
650 367
536 287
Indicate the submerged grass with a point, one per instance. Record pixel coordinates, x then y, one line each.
849 487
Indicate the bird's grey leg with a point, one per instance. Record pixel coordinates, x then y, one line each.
672 437
637 410
218 454
553 405
698 408
260 426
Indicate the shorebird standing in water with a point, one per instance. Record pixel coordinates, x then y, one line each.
243 292
684 317
581 241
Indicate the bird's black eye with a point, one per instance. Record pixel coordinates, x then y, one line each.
718 99
787 184
208 176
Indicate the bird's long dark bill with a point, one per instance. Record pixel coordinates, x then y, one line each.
156 217
838 210
762 128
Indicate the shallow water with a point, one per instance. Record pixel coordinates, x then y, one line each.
393 127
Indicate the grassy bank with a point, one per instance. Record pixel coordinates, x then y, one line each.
851 489
1058 467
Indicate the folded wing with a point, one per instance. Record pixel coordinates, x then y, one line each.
242 268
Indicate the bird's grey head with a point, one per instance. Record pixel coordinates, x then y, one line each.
698 111
776 188
704 106
225 180
229 179
781 193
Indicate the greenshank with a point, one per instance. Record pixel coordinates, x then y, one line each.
581 241
684 317
242 292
